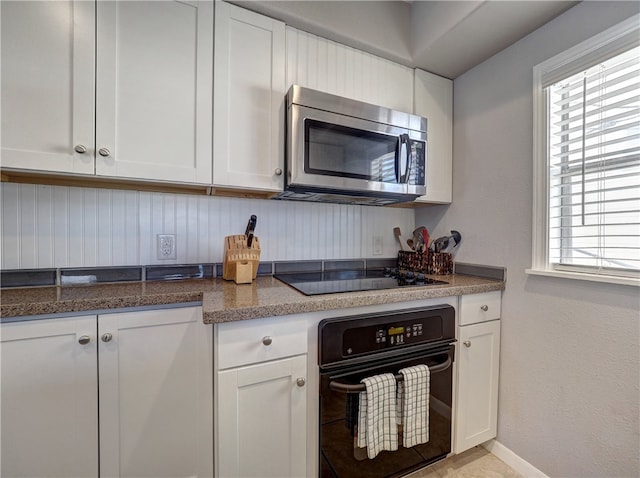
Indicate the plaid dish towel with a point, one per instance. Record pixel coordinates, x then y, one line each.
377 427
413 405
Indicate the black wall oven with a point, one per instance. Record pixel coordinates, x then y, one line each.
352 348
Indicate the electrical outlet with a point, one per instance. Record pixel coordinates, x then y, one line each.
166 246
377 245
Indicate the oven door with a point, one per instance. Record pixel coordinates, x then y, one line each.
337 152
339 455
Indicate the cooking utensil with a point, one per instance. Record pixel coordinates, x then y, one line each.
457 237
442 243
398 233
418 238
251 225
410 243
425 239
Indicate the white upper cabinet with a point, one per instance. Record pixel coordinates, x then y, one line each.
154 90
48 85
249 90
148 105
324 65
433 99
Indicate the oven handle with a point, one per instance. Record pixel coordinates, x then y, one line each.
360 387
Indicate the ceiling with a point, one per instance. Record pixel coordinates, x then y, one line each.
461 35
447 38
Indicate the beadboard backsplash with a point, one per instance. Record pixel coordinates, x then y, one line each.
54 226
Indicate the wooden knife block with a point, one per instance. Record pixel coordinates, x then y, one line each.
240 262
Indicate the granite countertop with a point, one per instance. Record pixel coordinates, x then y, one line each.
222 301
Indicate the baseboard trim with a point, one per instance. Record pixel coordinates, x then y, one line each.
514 461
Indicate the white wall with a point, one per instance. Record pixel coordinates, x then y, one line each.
570 363
52 226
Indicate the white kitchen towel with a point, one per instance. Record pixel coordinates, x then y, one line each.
377 425
413 405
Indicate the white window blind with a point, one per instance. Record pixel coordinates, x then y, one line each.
593 151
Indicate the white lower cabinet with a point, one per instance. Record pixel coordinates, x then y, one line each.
49 398
261 398
477 383
156 394
262 419
153 411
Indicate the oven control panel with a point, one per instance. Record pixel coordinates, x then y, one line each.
399 334
371 338
342 339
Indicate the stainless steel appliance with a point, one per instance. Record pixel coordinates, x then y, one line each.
341 150
355 347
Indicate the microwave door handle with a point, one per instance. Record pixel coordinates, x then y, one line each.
405 162
401 160
397 159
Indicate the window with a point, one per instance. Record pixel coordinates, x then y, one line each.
587 159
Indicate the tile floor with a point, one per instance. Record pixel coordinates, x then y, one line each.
474 463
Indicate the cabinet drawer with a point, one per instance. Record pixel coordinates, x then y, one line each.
477 308
247 341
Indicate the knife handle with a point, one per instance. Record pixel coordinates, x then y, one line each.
251 225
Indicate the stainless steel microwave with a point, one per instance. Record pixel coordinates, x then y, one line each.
346 151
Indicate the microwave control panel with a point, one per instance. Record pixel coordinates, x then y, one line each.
418 163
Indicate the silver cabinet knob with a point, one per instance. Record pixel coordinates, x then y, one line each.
104 152
467 343
107 337
80 149
84 340
485 308
267 340
300 381
278 172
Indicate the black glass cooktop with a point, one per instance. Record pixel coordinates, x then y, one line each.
331 282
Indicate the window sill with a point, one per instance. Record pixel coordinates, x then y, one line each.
583 276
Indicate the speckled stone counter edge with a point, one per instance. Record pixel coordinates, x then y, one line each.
222 301
345 301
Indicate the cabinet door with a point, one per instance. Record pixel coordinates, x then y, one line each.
248 100
433 99
47 85
49 398
154 88
156 394
478 367
261 420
